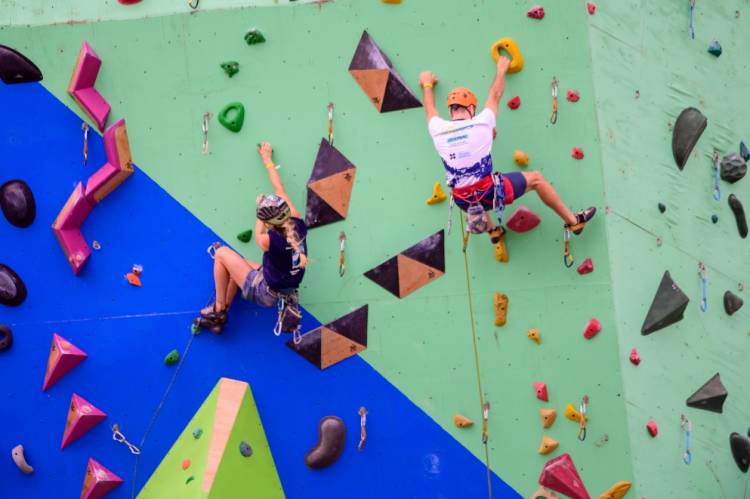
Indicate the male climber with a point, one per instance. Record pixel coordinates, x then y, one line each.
465 145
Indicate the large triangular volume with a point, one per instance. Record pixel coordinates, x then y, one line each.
335 190
368 55
309 346
328 161
386 276
413 275
352 325
560 474
63 356
398 95
16 67
667 307
228 418
335 341
710 396
99 481
82 416
318 212
430 251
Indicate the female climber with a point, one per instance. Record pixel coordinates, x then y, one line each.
280 232
465 145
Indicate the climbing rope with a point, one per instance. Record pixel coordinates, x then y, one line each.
582 423
704 285
687 428
330 123
717 191
485 406
692 19
342 255
85 128
553 116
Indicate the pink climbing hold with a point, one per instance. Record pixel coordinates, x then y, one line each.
82 86
523 220
586 267
577 153
572 95
541 391
82 416
99 481
536 12
653 430
592 329
63 356
635 359
67 228
129 2
560 474
514 103
591 7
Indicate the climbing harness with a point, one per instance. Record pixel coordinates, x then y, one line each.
553 116
717 191
289 315
582 423
342 249
476 217
362 429
330 123
485 419
692 19
702 273
193 4
206 117
85 128
687 429
568 259
117 436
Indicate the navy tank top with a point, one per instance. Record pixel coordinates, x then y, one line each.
281 268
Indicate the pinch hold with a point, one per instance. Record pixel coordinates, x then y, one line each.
462 421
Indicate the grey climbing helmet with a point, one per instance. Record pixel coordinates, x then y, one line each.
272 209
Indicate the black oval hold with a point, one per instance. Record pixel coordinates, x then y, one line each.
662 207
331 439
6 338
687 130
733 168
16 67
739 215
12 288
740 451
732 302
17 203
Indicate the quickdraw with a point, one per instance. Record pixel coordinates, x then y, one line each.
362 429
85 128
342 257
717 191
582 423
687 428
204 127
568 259
553 116
692 19
193 4
330 123
120 438
282 304
485 419
703 274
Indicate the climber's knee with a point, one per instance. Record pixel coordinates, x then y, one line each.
533 180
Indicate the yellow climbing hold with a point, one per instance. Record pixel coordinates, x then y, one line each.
617 491
509 45
573 415
534 336
501 251
501 309
438 196
548 417
391 1
548 445
462 421
520 157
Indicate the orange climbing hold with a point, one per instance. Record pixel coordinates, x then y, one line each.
133 279
462 421
617 491
501 251
520 158
573 415
438 195
548 445
548 417
501 309
534 336
185 464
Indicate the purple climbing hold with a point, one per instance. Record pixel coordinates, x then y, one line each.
733 168
740 451
6 338
732 303
17 203
331 440
16 67
739 215
12 288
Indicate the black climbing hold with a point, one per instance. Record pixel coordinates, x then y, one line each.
687 130
17 203
714 218
710 396
739 215
6 338
667 307
331 439
245 449
16 67
231 68
740 451
715 48
662 207
12 288
744 152
733 168
732 302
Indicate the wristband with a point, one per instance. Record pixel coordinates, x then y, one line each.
427 85
270 165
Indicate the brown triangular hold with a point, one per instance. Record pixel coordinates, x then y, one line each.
336 190
368 55
334 348
373 83
398 95
412 275
385 275
318 212
328 161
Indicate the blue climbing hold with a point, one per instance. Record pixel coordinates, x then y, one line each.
245 449
715 48
197 433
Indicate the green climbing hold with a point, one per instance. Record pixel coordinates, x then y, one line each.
197 433
715 48
172 358
231 68
189 479
254 36
238 117
245 236
714 218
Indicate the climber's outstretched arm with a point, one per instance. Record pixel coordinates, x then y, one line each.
427 80
498 85
266 153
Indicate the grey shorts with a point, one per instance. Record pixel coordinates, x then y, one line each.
257 291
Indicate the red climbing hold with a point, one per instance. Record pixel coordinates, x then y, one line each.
536 12
573 95
541 391
592 329
586 267
591 7
514 103
635 359
577 153
523 220
560 474
652 428
128 2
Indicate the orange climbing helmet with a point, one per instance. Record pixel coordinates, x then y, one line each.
462 96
